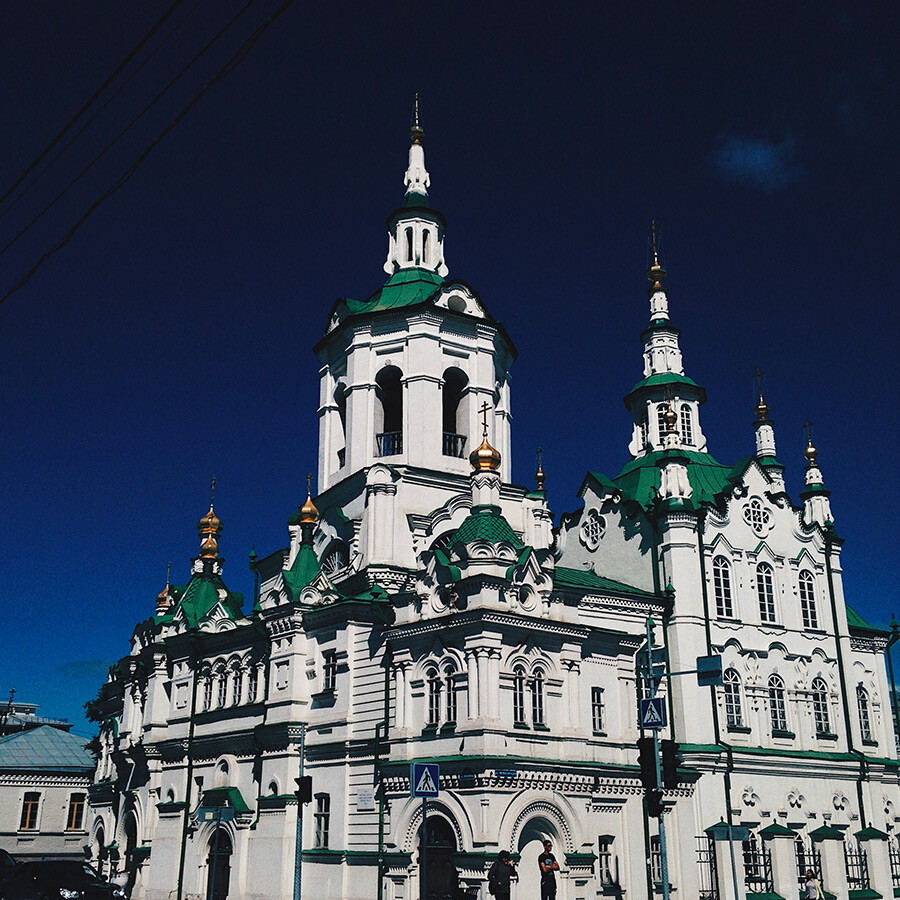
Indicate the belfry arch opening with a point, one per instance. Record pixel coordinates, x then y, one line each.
389 412
441 874
340 400
454 412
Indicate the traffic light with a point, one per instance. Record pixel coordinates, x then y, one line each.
647 762
654 804
670 760
304 788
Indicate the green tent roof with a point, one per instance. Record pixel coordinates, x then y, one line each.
485 523
587 580
202 595
304 570
403 288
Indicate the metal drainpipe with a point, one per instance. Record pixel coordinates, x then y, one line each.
895 636
840 659
190 771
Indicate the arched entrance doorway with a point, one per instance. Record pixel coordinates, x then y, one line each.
531 845
218 865
441 875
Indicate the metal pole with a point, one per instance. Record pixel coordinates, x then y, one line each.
422 889
190 771
298 839
215 856
662 827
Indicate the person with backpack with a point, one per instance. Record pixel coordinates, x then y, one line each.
499 874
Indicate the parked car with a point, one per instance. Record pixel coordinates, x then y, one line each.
57 879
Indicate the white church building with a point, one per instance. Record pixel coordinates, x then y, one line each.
426 609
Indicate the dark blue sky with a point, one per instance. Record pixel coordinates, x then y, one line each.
170 339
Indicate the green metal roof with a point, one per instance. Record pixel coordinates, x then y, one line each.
202 595
640 478
855 620
587 580
47 748
403 288
225 796
663 378
304 570
485 523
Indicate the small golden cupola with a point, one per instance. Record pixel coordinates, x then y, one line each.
209 528
485 458
309 515
164 597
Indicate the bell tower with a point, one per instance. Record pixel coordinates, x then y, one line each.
404 373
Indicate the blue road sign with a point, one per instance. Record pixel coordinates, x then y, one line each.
424 779
653 713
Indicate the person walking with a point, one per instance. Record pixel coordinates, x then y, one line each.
499 874
549 867
813 888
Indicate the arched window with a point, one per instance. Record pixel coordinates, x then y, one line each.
645 430
765 591
237 687
519 696
409 244
425 235
862 704
537 698
808 600
340 399
389 418
434 697
450 687
661 421
222 696
731 684
454 439
687 424
207 691
252 684
820 706
722 588
777 708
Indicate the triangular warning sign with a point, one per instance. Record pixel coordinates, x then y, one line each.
651 715
426 783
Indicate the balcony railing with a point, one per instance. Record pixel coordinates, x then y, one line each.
389 443
454 444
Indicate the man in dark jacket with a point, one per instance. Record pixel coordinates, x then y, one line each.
549 867
499 875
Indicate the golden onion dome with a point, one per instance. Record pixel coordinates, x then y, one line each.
309 515
485 458
210 523
810 453
762 410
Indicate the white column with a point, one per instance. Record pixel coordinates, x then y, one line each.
484 683
493 684
472 669
834 869
879 861
399 696
784 864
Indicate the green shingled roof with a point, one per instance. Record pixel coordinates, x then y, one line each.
485 523
587 580
403 288
663 378
202 595
640 478
45 748
304 570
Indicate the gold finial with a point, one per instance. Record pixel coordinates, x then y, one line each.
309 515
539 476
162 598
656 271
762 410
810 452
416 132
671 419
210 527
485 458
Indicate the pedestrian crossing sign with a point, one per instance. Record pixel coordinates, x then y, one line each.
424 779
653 713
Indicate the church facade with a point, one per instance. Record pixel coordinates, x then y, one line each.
428 609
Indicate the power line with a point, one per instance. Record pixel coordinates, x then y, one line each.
230 65
92 98
126 129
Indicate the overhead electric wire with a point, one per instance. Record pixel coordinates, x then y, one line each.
94 117
231 63
126 129
92 98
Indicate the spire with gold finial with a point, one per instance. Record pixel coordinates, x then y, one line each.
485 458
210 527
164 597
307 515
539 477
416 179
816 506
763 425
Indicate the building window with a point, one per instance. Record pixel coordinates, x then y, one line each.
862 703
389 412
820 706
537 698
252 684
207 691
731 685
765 592
75 818
322 819
409 244
329 670
434 697
519 696
687 425
597 709
454 412
606 861
223 690
237 687
645 430
661 421
777 709
425 236
722 588
31 803
808 600
449 679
